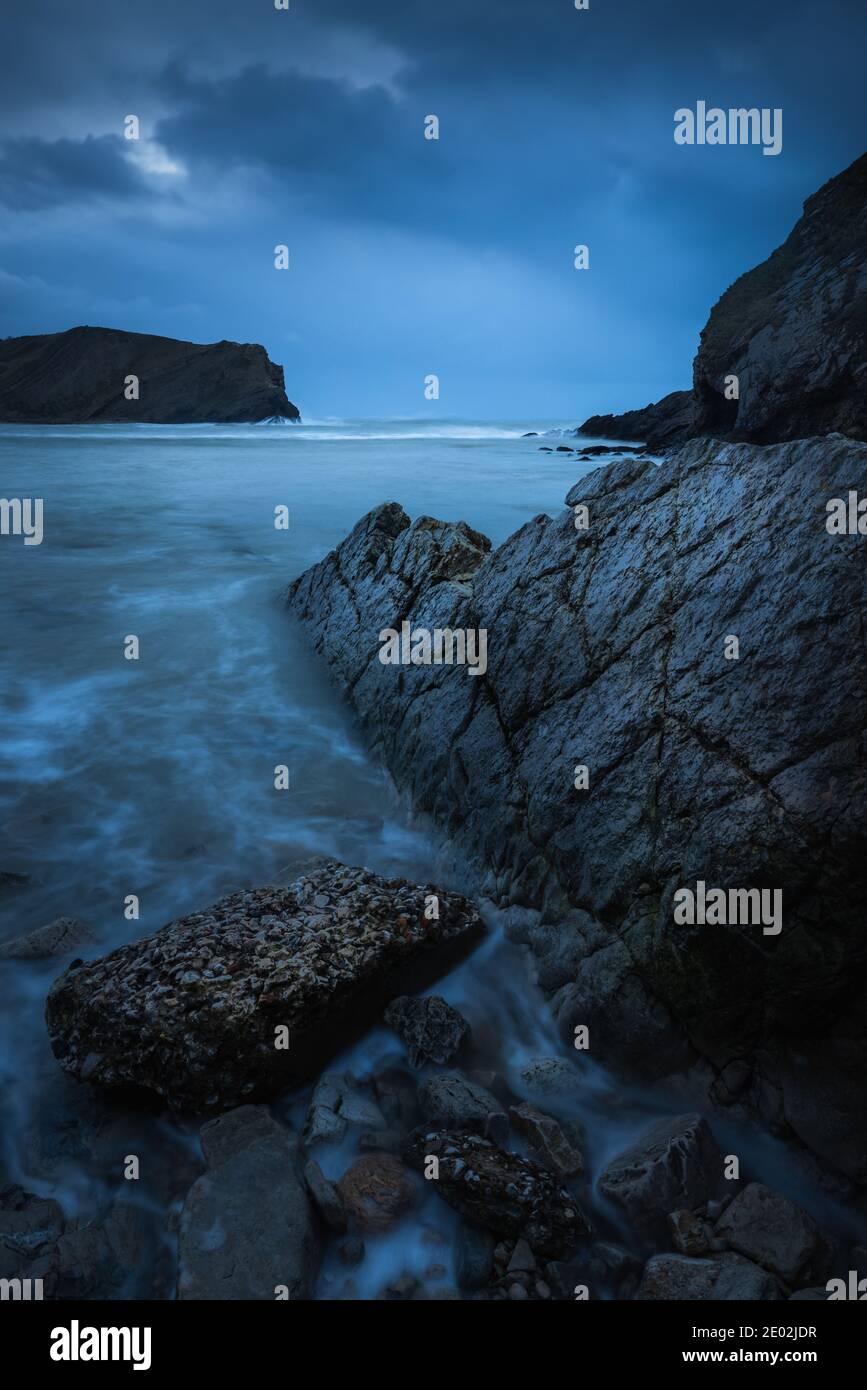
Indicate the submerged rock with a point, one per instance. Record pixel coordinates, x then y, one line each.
58 938
431 1029
740 774
194 1011
499 1191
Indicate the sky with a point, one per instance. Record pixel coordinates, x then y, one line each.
411 257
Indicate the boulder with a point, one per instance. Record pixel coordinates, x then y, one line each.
451 1101
340 1102
772 1231
431 1029
673 1164
247 1228
499 1191
377 1190
474 1257
194 1012
606 649
721 1278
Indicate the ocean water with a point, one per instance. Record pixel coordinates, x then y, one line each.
155 777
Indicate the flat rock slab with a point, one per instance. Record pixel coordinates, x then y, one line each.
193 1012
247 1228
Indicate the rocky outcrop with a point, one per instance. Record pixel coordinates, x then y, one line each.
82 377
793 331
693 637
660 425
247 1229
252 995
58 938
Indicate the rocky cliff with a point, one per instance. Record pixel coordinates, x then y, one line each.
793 331
695 640
81 377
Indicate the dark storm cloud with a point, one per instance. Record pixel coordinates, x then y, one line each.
36 173
357 150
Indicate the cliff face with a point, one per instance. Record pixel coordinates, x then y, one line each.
79 377
606 648
794 333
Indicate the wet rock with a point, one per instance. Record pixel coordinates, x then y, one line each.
735 775
724 1277
553 1081
474 1256
450 1101
104 1258
674 1164
326 1198
397 1098
340 1102
377 1190
431 1029
58 938
522 1259
508 1195
27 1222
545 1137
689 1233
604 1269
248 1227
273 961
772 1231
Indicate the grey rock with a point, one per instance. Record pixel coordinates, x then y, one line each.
27 1222
725 1277
689 1234
431 1029
127 1020
450 1101
351 1252
326 1198
505 1194
674 1164
554 1082
340 1102
58 938
522 1259
736 773
247 1225
773 1231
545 1137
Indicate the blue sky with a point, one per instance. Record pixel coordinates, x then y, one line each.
407 256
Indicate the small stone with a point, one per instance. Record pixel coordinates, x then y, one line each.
377 1189
518 1292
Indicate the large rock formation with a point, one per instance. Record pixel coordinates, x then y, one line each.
794 333
193 1012
741 767
80 377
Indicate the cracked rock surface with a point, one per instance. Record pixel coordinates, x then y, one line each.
606 649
